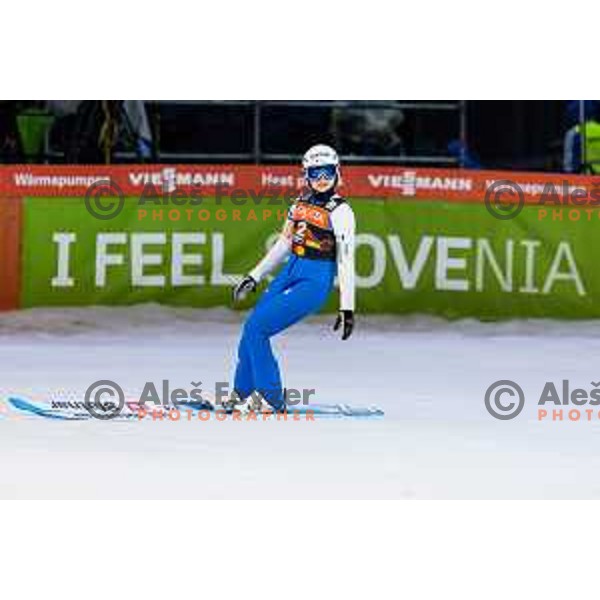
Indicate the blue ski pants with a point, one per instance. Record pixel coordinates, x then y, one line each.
300 289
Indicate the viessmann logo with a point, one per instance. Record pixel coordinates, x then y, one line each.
170 178
408 182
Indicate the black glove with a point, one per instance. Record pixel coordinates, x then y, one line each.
345 319
241 290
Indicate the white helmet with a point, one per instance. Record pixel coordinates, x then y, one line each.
321 161
319 156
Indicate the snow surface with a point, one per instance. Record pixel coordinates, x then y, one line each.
436 441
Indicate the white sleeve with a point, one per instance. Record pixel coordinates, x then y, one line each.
342 221
275 255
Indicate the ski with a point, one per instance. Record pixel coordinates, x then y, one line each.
307 412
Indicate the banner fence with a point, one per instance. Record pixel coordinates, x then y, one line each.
428 240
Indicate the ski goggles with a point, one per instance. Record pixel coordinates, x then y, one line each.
321 172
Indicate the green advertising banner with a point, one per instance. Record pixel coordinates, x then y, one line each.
413 256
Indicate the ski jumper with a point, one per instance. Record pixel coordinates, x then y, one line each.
321 246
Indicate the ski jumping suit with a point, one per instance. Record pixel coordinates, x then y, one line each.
321 244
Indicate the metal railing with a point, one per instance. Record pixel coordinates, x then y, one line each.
260 153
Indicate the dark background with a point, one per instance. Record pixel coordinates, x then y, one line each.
495 134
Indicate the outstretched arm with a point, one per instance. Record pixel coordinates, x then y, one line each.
278 252
274 256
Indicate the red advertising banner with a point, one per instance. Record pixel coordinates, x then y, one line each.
358 181
10 252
